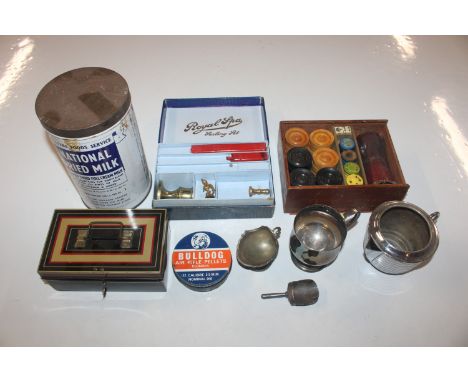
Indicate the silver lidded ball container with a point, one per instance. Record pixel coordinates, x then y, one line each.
88 115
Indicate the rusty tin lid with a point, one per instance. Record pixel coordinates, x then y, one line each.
83 102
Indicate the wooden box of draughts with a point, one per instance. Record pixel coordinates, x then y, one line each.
341 163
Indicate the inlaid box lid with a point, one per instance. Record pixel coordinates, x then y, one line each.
105 244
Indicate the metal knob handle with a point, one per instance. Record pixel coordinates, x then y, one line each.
299 293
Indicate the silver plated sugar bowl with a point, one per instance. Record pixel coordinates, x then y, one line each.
400 237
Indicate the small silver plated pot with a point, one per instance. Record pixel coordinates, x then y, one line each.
318 236
258 248
400 237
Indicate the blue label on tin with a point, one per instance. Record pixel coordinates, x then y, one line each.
201 260
101 161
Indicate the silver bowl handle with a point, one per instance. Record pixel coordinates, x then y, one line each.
435 216
351 217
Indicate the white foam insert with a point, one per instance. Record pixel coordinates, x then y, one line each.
233 186
183 125
214 168
172 181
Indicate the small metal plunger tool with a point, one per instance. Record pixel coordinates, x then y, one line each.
300 293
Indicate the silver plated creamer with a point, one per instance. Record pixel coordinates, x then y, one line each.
258 248
318 236
400 237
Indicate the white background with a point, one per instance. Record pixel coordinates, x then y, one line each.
419 83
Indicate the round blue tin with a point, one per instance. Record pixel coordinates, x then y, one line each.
202 260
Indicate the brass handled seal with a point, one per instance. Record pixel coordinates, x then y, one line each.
179 193
258 191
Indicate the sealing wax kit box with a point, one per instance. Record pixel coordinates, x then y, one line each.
342 163
213 159
106 250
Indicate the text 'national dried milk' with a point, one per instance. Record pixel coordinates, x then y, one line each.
89 118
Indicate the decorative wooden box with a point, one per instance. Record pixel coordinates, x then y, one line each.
106 250
342 197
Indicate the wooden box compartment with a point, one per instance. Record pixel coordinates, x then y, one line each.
365 197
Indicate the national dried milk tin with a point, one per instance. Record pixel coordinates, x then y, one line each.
89 118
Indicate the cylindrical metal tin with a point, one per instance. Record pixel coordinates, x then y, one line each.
202 261
89 118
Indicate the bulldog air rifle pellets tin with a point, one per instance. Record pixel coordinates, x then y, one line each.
202 261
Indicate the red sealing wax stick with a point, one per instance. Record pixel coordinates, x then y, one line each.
247 157
228 148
